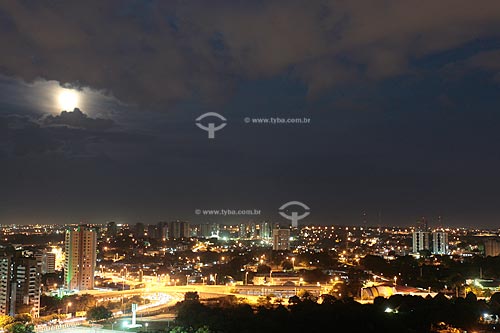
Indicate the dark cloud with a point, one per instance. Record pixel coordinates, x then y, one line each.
487 60
78 119
70 134
158 52
404 112
24 136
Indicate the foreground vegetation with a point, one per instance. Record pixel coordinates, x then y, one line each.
327 314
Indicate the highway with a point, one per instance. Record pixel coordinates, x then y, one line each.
161 296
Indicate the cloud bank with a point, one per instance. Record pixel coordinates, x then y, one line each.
155 53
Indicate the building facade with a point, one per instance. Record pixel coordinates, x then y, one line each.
48 261
440 243
79 266
492 247
421 241
281 239
20 284
25 286
178 229
5 274
265 230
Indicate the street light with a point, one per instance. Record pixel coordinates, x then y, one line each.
293 264
246 278
112 325
147 324
126 272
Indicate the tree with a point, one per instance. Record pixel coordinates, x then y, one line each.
287 265
264 301
294 300
82 302
263 269
315 275
24 318
50 304
192 296
5 320
305 295
19 328
495 297
471 297
328 299
376 264
98 313
178 329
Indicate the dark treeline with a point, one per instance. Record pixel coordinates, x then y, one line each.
449 274
395 314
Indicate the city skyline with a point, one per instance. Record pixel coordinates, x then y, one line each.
361 112
234 166
124 275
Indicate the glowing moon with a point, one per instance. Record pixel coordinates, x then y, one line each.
68 100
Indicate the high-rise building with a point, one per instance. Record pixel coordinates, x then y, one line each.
265 230
207 230
20 282
440 242
47 260
178 229
152 230
421 241
79 266
242 231
492 247
5 274
48 263
281 239
252 229
139 230
25 286
162 230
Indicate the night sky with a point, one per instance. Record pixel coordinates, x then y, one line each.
403 99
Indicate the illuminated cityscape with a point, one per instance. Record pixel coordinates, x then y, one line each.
155 268
249 166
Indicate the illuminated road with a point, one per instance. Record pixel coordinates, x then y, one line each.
162 296
84 329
